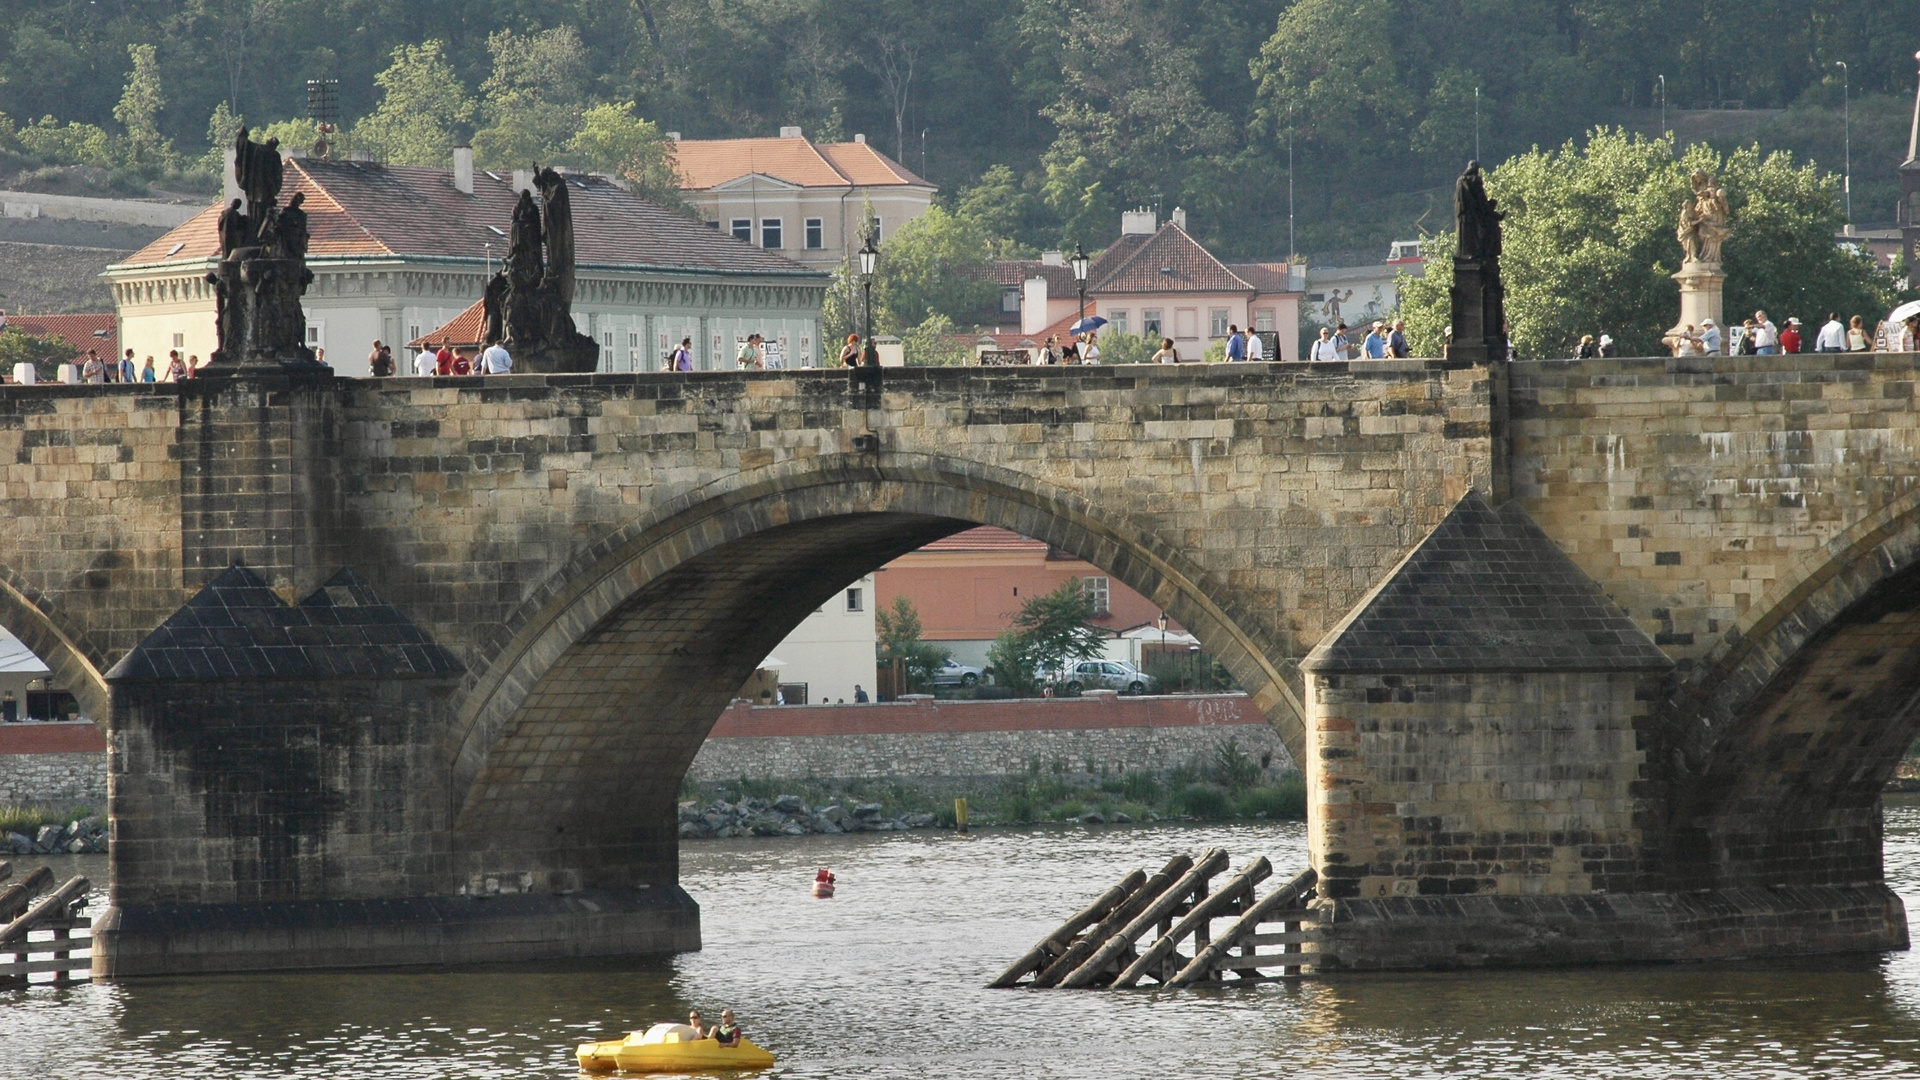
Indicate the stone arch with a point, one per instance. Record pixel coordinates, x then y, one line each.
76 666
1782 739
634 622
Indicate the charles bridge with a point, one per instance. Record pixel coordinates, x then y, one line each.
1584 660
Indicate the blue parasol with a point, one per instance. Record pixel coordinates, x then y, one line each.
1091 322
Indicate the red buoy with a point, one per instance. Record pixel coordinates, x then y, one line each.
823 883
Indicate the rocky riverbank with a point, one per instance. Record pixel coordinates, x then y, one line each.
789 815
83 836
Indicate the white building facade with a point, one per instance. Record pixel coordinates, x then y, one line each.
830 655
398 251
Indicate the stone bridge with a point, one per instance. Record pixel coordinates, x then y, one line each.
1585 660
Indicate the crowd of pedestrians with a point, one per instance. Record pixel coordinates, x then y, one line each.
1759 336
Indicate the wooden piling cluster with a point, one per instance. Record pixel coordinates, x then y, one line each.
1100 945
57 912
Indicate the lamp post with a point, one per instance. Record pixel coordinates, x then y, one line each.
1663 106
1846 113
869 255
1080 263
1162 620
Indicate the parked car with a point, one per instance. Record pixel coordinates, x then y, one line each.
1109 675
952 674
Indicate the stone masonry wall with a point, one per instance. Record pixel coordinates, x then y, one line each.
54 779
1006 739
1461 784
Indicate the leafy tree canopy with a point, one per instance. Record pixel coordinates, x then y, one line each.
899 639
1050 632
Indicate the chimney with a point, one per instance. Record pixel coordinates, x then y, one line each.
1053 258
861 139
229 185
522 181
1033 306
1141 222
790 133
463 169
1179 218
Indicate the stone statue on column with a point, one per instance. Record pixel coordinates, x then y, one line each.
1479 297
1705 224
262 273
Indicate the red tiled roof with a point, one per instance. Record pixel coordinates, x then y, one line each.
708 163
1268 277
78 331
986 538
360 209
463 331
1015 272
1191 268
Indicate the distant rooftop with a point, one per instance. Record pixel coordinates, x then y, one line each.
711 163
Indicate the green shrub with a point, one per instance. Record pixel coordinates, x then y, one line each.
1231 767
1286 799
1204 801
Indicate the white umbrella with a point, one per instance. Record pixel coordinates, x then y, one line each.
1904 312
772 663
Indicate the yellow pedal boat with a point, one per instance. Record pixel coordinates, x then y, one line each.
667 1048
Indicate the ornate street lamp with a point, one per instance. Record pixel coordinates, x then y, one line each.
1080 264
869 255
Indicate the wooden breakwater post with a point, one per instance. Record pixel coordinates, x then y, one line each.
57 913
1098 946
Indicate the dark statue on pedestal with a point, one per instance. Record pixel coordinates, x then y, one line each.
262 273
529 303
1479 297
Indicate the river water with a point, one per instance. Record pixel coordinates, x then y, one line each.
887 980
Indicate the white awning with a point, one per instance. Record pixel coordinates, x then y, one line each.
17 659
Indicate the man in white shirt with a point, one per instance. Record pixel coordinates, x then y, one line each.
427 363
1709 337
1324 350
1833 336
1766 336
1256 349
496 361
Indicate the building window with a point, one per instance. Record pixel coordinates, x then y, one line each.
743 229
816 234
1150 323
876 228
1010 301
856 601
770 232
1097 590
1263 320
1186 323
1117 321
1217 322
179 341
413 332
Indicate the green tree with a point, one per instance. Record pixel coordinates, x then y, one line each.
423 108
900 639
73 144
45 352
147 150
1004 212
612 139
935 343
1590 247
936 264
533 99
1050 632
222 127
1117 347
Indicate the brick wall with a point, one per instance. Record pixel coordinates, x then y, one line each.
959 740
53 764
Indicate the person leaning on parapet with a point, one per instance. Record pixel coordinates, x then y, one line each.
859 695
427 363
1585 350
749 357
1608 347
1747 344
1090 352
1709 338
1167 354
850 352
1832 336
1324 350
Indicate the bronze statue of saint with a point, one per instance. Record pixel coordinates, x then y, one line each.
235 230
293 228
1704 220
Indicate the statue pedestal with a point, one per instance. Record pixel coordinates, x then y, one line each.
1700 297
576 356
1479 313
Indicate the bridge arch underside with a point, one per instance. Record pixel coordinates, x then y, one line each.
574 777
1789 791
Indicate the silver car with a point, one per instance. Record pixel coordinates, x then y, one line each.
1109 675
952 674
